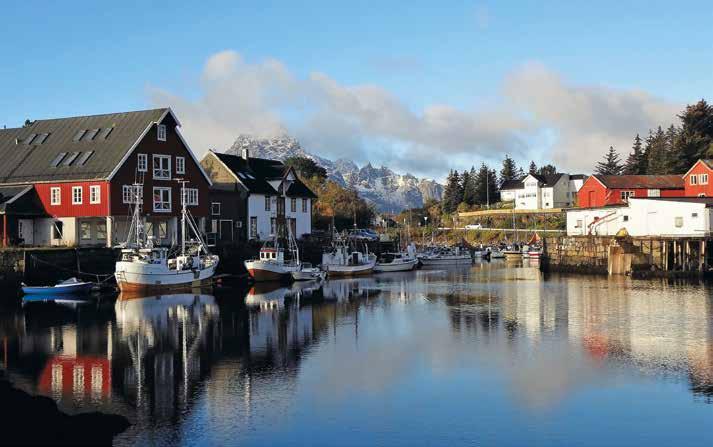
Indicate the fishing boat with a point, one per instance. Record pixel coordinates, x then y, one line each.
71 286
512 253
271 264
145 267
445 256
306 272
397 262
343 260
495 253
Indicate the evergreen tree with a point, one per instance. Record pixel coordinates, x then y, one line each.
547 170
533 168
486 185
636 162
509 171
452 193
611 165
695 139
657 153
470 195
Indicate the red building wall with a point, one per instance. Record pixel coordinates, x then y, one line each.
66 208
698 189
174 147
593 194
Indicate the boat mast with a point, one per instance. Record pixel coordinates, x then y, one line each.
183 216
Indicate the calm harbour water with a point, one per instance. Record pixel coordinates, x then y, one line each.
493 354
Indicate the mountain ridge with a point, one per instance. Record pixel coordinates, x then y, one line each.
387 190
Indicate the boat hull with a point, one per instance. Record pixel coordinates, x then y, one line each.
261 271
75 289
397 267
338 271
427 262
305 276
132 278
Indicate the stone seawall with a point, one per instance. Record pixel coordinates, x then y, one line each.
576 254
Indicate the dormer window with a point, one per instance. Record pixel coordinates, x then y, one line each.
161 132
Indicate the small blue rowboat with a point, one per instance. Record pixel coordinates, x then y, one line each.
69 286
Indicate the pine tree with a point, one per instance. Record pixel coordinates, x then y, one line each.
452 193
509 171
470 187
657 153
547 170
533 168
695 138
611 165
636 162
486 185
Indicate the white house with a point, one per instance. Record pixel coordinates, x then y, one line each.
272 190
651 216
543 191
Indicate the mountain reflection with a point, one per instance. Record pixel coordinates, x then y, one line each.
204 362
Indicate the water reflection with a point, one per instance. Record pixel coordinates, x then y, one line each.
191 368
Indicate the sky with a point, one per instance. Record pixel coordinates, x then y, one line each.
420 86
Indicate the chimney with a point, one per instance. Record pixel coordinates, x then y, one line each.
245 153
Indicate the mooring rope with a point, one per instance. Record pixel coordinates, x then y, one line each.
96 275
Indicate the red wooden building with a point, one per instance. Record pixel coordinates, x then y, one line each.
603 190
696 180
66 181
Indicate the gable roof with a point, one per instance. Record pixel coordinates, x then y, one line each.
28 153
706 161
512 184
547 180
641 181
256 173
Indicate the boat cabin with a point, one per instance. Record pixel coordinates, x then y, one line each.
272 254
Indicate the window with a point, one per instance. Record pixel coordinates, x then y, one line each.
162 229
85 231
70 158
694 180
89 136
215 209
273 226
293 205
180 165
578 224
253 227
161 200
162 167
58 159
694 215
142 163
94 194
85 158
57 229
624 195
191 198
679 221
161 132
214 226
132 193
76 195
654 193
625 218
304 205
267 203
55 196
704 179
702 194
101 230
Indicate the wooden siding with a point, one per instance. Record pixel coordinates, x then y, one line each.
173 146
66 208
593 194
698 189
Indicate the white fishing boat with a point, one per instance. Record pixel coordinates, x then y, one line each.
397 262
495 253
144 267
446 256
342 260
306 272
271 264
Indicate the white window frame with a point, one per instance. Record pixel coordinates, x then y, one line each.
653 193
625 195
268 203
55 196
191 198
77 199
142 163
162 208
95 194
164 173
213 207
127 195
293 204
82 226
180 165
693 179
703 179
304 205
161 132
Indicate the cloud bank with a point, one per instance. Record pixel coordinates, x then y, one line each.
368 123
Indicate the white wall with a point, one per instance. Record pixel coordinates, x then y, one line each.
529 198
507 195
256 208
643 217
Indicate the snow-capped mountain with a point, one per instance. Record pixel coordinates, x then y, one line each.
387 190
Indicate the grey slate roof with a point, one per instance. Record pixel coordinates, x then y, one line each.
547 180
26 163
21 200
256 173
512 184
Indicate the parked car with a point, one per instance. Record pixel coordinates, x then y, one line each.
473 227
363 235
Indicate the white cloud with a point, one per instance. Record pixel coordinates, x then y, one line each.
336 120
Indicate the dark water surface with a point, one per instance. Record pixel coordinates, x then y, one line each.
488 355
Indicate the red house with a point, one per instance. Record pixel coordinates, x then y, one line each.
67 181
603 190
696 179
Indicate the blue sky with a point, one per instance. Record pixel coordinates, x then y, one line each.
73 58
